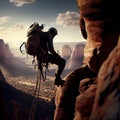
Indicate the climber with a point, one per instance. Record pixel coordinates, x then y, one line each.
51 56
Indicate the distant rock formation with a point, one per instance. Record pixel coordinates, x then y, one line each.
66 52
76 57
73 57
5 52
14 65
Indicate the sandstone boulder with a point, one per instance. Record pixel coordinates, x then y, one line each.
107 102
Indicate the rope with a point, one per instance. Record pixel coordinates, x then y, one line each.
36 96
40 76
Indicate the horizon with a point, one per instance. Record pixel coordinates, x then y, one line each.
54 42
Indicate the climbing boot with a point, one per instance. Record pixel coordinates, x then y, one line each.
59 81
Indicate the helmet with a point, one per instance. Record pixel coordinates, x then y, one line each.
53 30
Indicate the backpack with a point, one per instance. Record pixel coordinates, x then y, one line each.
32 45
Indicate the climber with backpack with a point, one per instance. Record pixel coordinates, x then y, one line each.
51 56
40 45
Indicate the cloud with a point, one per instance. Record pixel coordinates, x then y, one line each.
68 19
20 3
18 26
14 35
2 31
4 19
13 30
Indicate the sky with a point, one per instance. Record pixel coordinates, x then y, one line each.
17 15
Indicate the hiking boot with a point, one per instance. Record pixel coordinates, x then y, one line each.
59 82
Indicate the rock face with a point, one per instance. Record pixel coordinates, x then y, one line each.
66 96
107 100
84 102
102 26
98 99
3 110
87 97
101 101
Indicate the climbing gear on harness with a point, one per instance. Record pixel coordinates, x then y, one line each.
43 67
